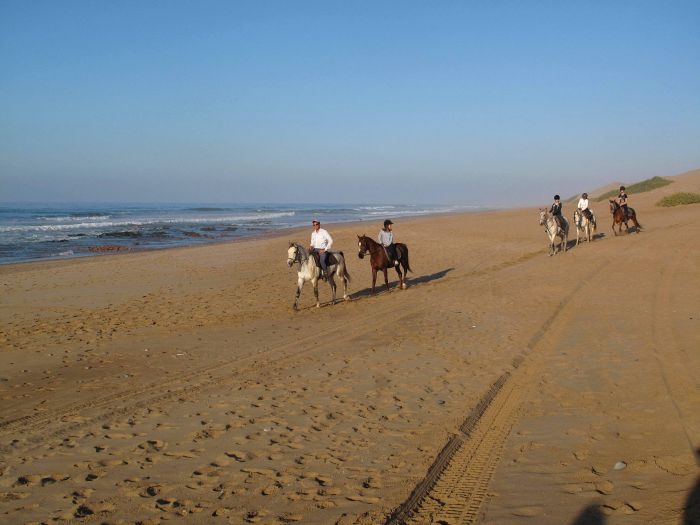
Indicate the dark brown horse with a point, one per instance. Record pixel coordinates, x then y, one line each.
619 217
380 261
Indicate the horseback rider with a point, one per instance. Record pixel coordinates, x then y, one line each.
555 210
386 239
321 243
622 201
583 207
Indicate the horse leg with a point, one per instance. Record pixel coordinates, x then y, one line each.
386 279
344 278
300 285
314 281
374 278
401 284
331 281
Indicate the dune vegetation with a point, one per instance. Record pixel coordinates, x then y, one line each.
638 187
681 197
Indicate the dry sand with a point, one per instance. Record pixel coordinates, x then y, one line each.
179 385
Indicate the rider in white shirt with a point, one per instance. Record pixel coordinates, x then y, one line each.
583 206
321 243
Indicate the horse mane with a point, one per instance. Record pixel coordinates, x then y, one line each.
302 250
368 238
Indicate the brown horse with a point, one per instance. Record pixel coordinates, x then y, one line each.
380 261
618 215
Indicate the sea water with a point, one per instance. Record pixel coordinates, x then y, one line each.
44 231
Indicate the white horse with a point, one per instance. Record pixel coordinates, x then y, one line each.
553 230
308 271
584 226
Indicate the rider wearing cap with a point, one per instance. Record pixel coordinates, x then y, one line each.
583 207
622 201
555 210
321 243
386 239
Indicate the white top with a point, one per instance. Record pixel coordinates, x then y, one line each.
321 239
583 204
385 237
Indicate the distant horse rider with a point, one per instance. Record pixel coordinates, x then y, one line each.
622 201
583 207
386 239
555 210
321 243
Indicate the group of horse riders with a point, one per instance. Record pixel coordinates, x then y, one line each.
582 206
321 242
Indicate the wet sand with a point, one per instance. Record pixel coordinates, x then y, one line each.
180 384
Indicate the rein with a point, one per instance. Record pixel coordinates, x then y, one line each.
371 245
298 257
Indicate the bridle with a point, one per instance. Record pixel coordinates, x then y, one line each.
367 249
296 258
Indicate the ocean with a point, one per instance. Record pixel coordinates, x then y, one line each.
30 232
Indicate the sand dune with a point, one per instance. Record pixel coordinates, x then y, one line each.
181 385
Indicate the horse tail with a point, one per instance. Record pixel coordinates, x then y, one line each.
633 216
408 266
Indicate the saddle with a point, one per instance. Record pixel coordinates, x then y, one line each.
330 259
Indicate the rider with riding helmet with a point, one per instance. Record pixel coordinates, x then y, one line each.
555 210
386 239
622 201
583 207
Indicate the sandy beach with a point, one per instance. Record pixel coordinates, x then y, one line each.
503 386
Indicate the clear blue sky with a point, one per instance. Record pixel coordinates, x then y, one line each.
409 101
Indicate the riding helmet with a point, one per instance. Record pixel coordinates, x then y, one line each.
585 195
556 197
387 223
622 188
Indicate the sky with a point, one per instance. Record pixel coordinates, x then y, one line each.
464 102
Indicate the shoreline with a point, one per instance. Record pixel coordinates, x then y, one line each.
248 238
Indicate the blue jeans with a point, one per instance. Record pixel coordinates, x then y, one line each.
322 257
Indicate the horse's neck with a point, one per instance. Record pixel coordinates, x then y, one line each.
371 244
303 254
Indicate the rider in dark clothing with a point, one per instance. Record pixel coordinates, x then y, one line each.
555 210
622 201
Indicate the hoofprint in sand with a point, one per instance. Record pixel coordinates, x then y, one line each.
181 384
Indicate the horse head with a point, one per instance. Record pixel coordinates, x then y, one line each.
362 246
543 216
292 254
613 205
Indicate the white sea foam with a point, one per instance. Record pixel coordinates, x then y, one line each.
136 222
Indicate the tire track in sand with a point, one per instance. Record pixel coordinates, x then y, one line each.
673 361
455 486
